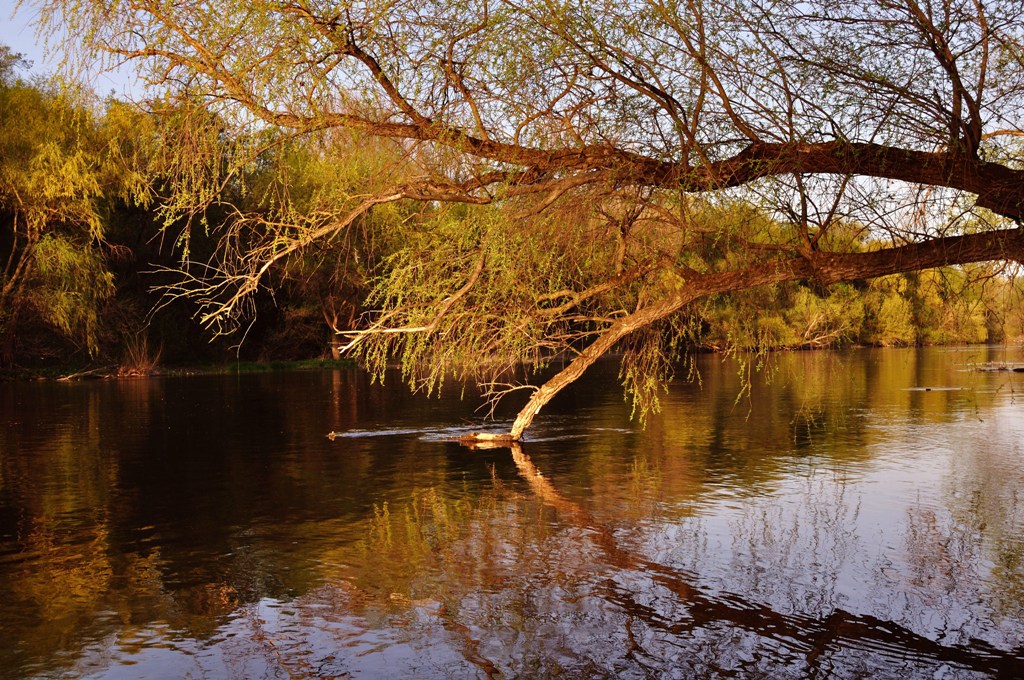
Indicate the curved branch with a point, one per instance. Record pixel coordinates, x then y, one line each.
827 268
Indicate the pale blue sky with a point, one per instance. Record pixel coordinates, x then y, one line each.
17 33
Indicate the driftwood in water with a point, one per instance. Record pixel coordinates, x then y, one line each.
476 440
487 440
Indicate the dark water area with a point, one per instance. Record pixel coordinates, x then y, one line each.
859 514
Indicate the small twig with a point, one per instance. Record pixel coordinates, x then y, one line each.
355 336
101 371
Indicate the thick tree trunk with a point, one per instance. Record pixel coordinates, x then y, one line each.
826 268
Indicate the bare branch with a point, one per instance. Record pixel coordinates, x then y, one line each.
381 328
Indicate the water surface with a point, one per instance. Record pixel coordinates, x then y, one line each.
857 514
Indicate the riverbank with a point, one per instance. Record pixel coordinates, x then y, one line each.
70 373
75 373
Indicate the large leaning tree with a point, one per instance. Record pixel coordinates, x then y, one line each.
589 172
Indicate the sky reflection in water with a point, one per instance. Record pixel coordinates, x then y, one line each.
835 522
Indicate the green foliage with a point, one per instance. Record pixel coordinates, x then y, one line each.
635 160
302 184
58 179
650 358
952 305
48 176
538 285
821 321
69 285
10 62
125 150
895 321
477 293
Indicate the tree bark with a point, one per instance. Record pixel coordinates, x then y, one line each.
998 188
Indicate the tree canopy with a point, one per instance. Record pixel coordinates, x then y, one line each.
58 167
590 173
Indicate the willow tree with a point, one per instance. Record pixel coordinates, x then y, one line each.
58 168
631 158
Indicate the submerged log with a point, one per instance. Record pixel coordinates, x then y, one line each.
478 440
487 440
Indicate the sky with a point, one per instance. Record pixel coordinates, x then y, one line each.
17 32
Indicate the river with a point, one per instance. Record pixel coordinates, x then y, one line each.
857 514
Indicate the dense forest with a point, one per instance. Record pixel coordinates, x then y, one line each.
97 259
88 251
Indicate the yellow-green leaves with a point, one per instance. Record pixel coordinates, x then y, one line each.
69 286
56 174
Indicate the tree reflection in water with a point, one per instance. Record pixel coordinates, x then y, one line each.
836 524
438 583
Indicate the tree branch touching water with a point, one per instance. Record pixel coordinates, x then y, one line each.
588 176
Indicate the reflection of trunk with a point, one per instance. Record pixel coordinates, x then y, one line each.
6 347
806 635
331 315
7 338
826 268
